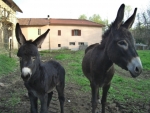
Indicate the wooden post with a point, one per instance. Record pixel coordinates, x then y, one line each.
10 48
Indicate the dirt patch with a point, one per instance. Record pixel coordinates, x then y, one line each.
76 101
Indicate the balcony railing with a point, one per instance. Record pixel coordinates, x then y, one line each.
7 14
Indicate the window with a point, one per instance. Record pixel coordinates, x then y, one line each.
59 32
59 45
76 32
39 31
81 43
71 43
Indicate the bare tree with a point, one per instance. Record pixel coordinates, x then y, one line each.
142 30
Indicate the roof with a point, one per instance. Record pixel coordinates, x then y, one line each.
13 5
54 21
33 21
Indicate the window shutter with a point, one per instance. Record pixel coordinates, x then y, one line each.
72 32
59 32
79 32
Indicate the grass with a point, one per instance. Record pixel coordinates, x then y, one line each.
145 58
6 64
15 98
123 89
62 57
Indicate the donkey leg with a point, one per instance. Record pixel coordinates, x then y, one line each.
104 97
95 89
33 102
98 99
44 101
49 98
60 90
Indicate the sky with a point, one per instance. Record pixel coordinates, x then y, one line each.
72 9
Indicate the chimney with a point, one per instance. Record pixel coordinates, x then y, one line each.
48 17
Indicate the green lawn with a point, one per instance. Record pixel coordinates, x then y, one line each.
145 58
7 64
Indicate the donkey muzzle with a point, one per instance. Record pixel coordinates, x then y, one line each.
25 78
135 67
26 73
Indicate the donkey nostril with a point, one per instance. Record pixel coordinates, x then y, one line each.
28 76
25 77
137 70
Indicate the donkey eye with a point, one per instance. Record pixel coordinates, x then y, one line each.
123 44
33 58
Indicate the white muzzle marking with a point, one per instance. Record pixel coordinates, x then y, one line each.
26 71
135 63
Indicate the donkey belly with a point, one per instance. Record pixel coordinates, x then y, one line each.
86 68
54 75
102 78
97 76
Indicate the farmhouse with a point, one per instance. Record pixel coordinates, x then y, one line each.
64 33
8 21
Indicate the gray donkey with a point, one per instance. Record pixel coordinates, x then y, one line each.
117 46
39 78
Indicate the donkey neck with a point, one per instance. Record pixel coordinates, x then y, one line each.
100 64
99 58
104 58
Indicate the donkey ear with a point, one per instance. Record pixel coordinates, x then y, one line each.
20 37
130 21
38 42
119 18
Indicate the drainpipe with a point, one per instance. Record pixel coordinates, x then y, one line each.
49 42
48 17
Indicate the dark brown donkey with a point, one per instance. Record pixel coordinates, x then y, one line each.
117 46
39 78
